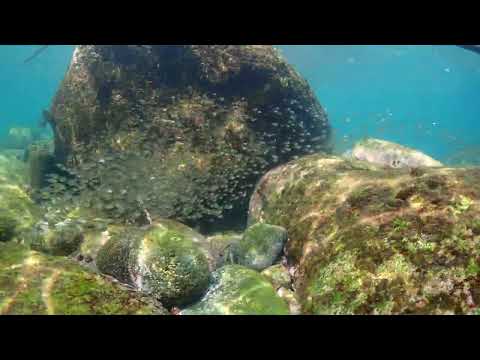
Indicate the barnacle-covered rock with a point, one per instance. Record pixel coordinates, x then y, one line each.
260 247
35 284
212 117
237 290
391 155
167 260
365 240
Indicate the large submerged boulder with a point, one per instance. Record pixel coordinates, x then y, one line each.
36 284
369 240
205 120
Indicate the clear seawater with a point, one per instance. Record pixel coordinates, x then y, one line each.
425 97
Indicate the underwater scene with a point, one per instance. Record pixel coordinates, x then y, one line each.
239 180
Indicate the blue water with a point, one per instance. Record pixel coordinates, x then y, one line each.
426 97
27 89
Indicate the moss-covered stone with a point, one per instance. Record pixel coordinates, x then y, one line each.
62 239
260 247
220 246
279 276
36 284
166 260
225 113
365 240
237 290
113 256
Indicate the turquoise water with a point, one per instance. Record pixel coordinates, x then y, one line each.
27 89
426 97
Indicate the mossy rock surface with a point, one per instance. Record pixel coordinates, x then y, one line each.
278 276
226 113
35 284
260 247
60 240
237 290
220 246
365 240
166 260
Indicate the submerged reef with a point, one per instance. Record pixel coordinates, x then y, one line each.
369 240
204 122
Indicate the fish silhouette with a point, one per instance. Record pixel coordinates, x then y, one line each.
36 53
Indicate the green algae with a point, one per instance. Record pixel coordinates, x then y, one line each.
260 247
375 241
36 284
166 260
237 290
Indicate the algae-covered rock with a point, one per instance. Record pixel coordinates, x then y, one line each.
212 117
237 290
93 241
166 260
392 155
279 276
62 239
260 247
220 246
36 284
365 240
